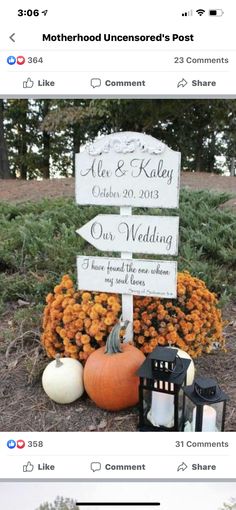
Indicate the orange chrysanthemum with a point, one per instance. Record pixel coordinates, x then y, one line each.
76 323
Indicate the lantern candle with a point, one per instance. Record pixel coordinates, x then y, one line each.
162 409
208 420
161 403
206 404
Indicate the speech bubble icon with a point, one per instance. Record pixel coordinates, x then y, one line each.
95 82
95 466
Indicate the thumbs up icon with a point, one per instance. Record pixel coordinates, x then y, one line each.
28 84
11 60
28 468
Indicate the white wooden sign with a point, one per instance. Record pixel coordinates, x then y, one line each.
137 234
128 276
128 169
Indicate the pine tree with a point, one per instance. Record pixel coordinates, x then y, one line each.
21 136
60 503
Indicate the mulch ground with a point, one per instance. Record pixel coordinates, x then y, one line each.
23 403
25 406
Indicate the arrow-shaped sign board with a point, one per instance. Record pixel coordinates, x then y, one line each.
128 276
137 234
128 169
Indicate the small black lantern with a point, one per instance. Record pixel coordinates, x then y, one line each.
205 406
161 399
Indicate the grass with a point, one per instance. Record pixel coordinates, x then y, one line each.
38 244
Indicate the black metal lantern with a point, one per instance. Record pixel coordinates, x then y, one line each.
161 399
205 406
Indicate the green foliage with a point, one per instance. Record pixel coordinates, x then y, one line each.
208 240
38 243
200 129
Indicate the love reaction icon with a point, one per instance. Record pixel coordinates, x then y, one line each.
20 60
20 443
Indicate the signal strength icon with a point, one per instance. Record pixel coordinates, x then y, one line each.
188 13
200 12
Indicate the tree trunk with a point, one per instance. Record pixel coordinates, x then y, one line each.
45 169
46 156
232 167
4 163
211 154
198 153
76 145
23 167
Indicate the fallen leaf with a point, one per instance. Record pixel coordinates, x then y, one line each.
12 364
92 427
102 424
22 303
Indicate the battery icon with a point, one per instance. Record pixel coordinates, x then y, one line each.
216 12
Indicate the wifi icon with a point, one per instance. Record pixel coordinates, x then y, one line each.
200 12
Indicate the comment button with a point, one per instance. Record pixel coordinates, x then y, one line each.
95 82
95 466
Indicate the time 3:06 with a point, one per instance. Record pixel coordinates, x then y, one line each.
31 12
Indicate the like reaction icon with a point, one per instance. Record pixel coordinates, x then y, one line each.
11 444
11 60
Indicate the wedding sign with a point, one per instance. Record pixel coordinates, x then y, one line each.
138 234
127 170
130 169
128 276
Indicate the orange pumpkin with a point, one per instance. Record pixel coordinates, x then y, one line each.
110 373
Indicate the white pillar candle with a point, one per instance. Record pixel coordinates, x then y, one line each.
208 419
162 409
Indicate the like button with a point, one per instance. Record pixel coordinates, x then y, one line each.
28 468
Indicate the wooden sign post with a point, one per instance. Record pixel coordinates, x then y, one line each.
127 299
129 170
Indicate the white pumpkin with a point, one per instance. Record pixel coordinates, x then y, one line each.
63 380
191 368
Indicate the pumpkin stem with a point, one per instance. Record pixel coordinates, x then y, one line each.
58 361
113 344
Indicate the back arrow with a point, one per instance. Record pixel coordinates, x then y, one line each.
12 37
